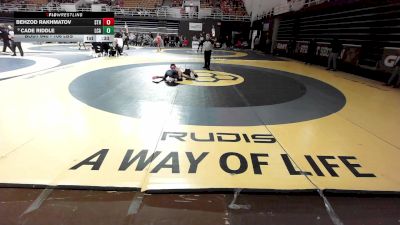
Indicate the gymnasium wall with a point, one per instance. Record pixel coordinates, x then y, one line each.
370 28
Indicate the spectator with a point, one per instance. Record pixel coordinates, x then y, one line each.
336 46
177 41
312 46
201 42
105 48
245 44
125 40
238 44
118 43
268 44
257 42
291 47
132 38
158 41
185 42
181 41
166 41
228 42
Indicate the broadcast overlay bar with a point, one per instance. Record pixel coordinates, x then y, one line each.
64 27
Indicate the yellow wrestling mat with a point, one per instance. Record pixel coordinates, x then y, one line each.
51 137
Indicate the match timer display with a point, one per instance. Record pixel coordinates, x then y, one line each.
64 26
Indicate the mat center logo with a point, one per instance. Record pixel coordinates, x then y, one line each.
214 78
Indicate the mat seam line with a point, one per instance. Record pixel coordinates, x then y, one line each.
328 207
333 216
159 136
16 148
367 130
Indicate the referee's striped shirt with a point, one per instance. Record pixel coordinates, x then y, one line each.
207 45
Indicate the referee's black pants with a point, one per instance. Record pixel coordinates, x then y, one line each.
16 45
207 59
6 43
126 42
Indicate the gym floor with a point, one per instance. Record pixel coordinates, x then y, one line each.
256 140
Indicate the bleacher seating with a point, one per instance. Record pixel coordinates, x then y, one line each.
203 3
233 7
36 2
107 2
206 3
234 10
9 2
177 3
146 26
227 7
58 1
142 3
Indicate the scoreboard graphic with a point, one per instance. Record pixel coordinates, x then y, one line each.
64 26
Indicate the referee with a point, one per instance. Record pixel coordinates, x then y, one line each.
6 39
207 46
14 44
